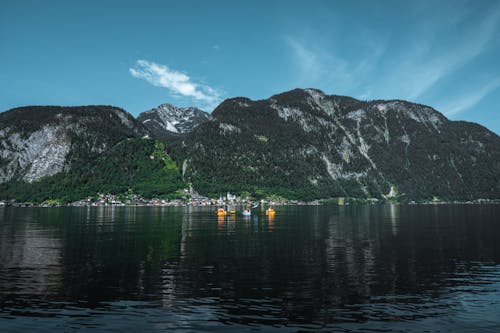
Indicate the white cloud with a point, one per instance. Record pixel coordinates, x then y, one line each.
177 83
469 100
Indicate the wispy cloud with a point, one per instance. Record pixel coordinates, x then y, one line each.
414 64
177 83
307 61
317 65
426 74
470 99
422 68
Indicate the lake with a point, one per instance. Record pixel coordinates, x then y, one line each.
358 268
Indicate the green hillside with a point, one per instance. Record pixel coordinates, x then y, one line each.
138 165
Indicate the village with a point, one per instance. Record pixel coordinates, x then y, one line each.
190 198
193 199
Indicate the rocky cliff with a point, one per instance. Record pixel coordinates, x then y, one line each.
39 141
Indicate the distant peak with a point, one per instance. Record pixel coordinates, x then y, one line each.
166 106
173 108
173 119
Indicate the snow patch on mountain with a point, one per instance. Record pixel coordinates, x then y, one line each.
173 119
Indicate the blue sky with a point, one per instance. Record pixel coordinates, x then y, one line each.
139 54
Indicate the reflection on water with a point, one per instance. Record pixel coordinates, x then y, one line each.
343 268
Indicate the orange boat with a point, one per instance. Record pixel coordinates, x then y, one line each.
270 211
221 212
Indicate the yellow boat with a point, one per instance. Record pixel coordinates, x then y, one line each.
221 212
270 211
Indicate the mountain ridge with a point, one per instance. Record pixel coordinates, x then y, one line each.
300 144
352 148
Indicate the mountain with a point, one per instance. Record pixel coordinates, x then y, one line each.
40 141
306 144
168 121
69 153
137 165
300 144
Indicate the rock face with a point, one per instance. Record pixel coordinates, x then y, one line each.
306 144
168 121
39 141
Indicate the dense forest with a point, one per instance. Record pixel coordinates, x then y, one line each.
140 166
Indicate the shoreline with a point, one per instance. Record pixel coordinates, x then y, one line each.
207 202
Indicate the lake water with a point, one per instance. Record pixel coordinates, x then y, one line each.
327 269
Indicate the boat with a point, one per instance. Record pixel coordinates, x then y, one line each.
270 211
221 212
247 212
